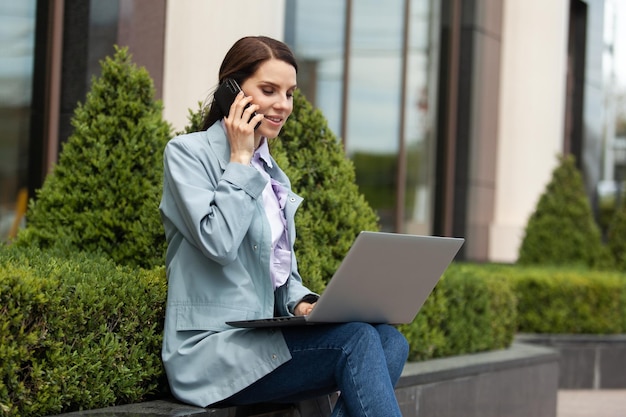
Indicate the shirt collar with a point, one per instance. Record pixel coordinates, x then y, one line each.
263 153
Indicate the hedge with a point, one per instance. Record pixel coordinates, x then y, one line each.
83 333
566 300
78 333
469 311
570 301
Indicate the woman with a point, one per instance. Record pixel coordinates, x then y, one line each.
228 212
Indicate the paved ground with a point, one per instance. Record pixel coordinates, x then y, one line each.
591 403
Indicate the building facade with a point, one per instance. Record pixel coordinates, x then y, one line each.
453 111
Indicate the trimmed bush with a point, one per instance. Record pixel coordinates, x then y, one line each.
425 334
562 230
84 333
78 333
481 311
570 301
103 195
195 119
470 310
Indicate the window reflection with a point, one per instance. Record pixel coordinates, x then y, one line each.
316 34
420 116
17 37
374 108
372 138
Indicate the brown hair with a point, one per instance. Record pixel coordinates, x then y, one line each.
242 61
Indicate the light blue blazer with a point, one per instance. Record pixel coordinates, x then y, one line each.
218 270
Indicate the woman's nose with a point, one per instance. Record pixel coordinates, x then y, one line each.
283 103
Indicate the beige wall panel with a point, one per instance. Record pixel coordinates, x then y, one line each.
483 149
198 35
141 27
532 106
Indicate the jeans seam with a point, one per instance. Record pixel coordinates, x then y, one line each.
359 394
358 391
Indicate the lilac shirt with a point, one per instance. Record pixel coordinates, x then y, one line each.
274 198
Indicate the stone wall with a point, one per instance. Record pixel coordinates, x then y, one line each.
586 361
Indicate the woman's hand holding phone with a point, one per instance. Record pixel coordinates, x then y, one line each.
240 128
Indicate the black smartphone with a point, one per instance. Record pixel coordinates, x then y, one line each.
225 95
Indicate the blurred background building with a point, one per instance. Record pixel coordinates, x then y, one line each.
453 111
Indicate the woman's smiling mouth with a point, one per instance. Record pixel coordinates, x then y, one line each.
273 119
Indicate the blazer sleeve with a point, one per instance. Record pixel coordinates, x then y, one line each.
212 207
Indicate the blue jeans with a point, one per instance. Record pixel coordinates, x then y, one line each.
362 361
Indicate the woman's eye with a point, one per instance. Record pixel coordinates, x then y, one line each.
268 92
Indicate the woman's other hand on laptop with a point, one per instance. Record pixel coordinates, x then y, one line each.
303 308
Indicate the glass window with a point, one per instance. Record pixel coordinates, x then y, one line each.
315 30
372 138
420 115
17 37
103 19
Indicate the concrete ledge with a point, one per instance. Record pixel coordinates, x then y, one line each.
517 382
172 408
519 355
520 381
587 361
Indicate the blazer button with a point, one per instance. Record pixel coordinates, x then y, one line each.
255 247
274 357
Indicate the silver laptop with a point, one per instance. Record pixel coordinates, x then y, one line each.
384 278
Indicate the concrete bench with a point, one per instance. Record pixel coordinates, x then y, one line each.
520 381
169 407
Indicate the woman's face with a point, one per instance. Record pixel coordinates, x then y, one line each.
271 88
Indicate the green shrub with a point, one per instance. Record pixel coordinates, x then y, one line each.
195 119
616 240
77 333
566 300
103 195
481 311
470 310
562 230
425 334
84 333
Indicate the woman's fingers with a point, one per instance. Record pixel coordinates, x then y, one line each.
240 128
242 108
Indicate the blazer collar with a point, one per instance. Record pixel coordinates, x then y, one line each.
216 136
